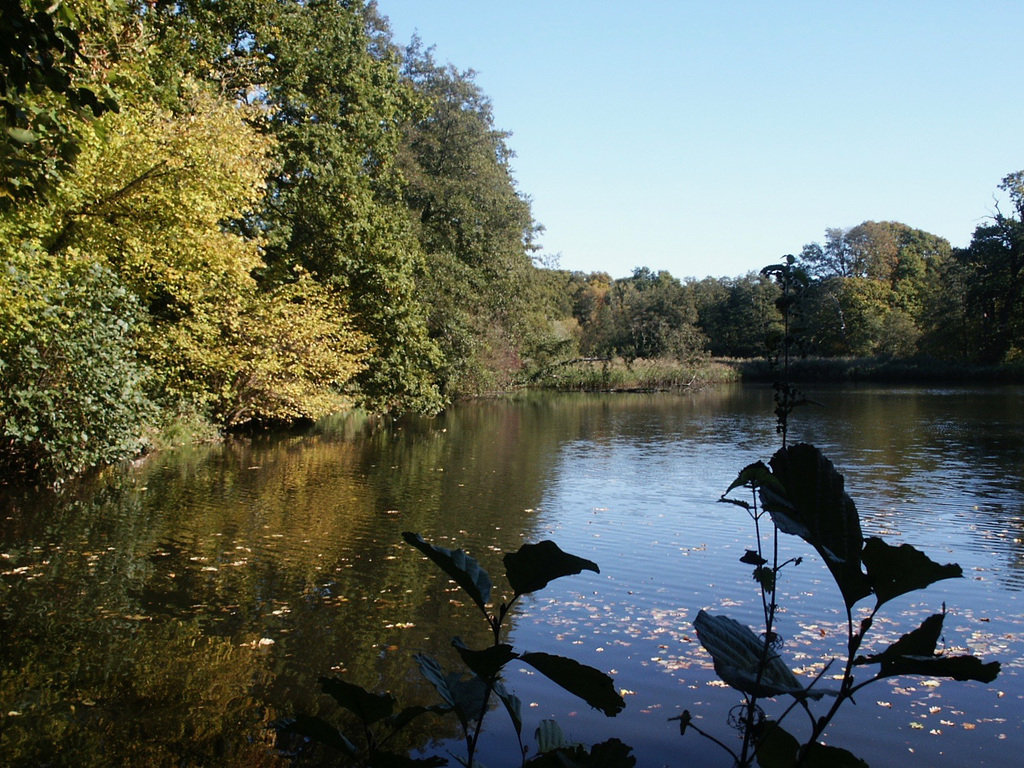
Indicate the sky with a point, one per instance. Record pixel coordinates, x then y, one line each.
712 138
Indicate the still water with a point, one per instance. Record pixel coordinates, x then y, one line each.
168 613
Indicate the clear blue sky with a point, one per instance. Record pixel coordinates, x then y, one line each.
712 138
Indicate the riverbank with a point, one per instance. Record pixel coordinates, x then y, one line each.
879 370
616 375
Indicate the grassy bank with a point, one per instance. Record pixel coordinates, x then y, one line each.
638 376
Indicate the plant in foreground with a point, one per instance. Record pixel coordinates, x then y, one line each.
803 495
469 697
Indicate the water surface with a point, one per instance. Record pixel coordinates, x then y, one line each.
171 611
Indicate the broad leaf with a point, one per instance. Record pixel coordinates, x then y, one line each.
818 510
608 754
535 565
779 749
824 756
776 747
460 567
894 571
550 736
751 557
320 731
513 705
465 697
756 475
368 707
737 653
591 685
488 662
914 654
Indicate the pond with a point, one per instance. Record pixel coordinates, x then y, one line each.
169 612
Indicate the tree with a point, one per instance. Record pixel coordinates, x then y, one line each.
737 315
654 317
46 94
333 101
875 289
991 272
475 228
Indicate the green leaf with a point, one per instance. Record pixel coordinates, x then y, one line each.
535 565
894 571
591 685
319 730
751 557
22 135
914 654
488 662
460 567
737 653
368 707
817 509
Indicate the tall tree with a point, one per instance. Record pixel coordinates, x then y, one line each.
475 228
991 270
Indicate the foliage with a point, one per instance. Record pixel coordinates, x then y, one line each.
71 385
46 94
474 227
528 570
800 493
989 274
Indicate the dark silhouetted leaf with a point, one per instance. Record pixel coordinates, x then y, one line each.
914 654
894 571
591 685
756 475
368 707
320 731
608 754
535 565
488 662
818 510
513 705
752 558
776 747
737 653
460 567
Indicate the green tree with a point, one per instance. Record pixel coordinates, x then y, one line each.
654 317
737 315
47 92
475 228
991 270
875 290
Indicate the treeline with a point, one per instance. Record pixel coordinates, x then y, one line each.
242 212
217 214
879 289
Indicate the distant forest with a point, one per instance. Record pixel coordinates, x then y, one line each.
217 215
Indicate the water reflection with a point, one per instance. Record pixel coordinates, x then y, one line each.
169 612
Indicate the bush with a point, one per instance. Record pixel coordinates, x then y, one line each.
70 386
